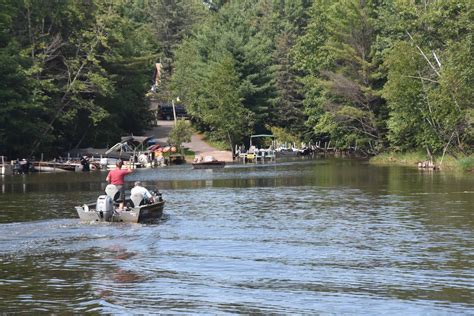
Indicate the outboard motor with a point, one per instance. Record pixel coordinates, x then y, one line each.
157 195
105 207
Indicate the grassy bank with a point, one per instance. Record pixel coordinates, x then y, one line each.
464 164
217 144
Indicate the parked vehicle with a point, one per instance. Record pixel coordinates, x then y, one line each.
165 111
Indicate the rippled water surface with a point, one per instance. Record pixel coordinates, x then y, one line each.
304 237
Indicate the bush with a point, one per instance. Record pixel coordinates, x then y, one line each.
466 163
180 133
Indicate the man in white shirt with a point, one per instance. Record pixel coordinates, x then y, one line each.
139 189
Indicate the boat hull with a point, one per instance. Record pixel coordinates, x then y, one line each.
44 166
286 153
209 165
142 214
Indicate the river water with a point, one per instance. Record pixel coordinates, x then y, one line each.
298 237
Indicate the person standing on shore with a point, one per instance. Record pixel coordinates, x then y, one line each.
117 178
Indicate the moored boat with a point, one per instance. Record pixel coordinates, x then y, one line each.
209 164
52 166
286 152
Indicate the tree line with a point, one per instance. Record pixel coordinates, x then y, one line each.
376 75
74 73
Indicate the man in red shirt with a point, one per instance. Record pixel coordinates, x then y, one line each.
116 177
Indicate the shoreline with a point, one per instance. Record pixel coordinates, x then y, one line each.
464 164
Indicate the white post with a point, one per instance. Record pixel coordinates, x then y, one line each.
174 111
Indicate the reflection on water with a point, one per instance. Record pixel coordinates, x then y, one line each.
300 237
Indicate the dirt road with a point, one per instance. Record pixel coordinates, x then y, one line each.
197 144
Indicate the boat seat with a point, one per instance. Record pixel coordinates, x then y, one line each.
112 191
137 199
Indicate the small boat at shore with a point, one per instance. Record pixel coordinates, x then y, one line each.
135 210
207 162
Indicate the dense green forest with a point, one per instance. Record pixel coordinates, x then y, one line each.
375 75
